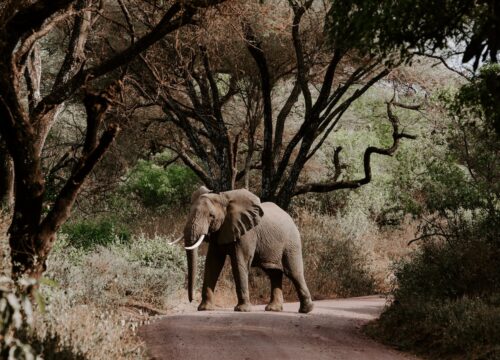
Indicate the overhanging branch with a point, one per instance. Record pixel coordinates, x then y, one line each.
96 106
354 184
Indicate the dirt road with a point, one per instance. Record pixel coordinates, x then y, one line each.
331 331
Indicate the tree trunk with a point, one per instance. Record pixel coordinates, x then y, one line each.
30 188
6 179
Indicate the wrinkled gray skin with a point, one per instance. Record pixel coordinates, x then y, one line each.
251 234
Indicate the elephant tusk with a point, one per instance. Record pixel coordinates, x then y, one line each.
198 243
175 241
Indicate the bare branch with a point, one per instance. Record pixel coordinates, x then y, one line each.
194 166
28 43
443 61
302 68
281 118
426 236
255 49
175 17
353 184
32 75
32 17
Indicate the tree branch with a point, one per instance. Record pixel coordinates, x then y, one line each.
176 16
353 184
302 69
195 167
281 119
91 155
32 17
255 49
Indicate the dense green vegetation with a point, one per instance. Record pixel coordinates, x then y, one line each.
446 299
156 186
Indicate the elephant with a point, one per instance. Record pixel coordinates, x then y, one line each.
236 224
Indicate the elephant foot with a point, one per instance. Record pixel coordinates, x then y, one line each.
306 306
274 307
206 306
245 307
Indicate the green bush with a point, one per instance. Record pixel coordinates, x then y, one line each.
96 299
86 234
465 264
467 327
447 298
343 266
447 294
157 186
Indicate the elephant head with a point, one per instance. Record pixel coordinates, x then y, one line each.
229 214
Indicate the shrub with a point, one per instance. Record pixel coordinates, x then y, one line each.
16 315
335 265
86 234
143 270
157 186
466 327
97 298
447 295
467 264
75 331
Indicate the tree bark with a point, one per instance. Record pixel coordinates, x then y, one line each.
6 179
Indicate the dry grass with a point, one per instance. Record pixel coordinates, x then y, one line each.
389 246
87 331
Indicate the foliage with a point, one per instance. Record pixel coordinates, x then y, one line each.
407 26
456 164
16 315
96 299
466 327
480 98
465 263
52 347
86 234
449 288
157 186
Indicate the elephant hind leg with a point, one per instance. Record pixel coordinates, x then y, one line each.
306 304
294 270
276 277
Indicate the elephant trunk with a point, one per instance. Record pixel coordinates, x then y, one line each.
192 262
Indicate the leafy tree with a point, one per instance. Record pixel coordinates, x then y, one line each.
448 290
423 26
30 103
158 186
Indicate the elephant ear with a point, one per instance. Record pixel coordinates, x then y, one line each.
197 193
243 212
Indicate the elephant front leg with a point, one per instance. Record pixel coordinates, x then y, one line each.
240 266
213 267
